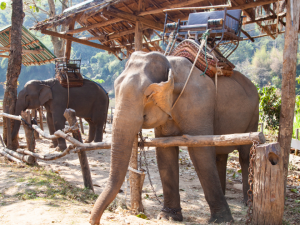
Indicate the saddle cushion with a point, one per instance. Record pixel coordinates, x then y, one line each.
189 50
75 79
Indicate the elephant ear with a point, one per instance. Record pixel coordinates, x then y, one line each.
45 94
161 94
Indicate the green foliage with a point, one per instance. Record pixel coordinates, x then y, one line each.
3 5
269 107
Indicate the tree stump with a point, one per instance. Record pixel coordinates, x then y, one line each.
136 180
268 187
70 115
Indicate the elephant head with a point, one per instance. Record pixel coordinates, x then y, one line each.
34 94
144 97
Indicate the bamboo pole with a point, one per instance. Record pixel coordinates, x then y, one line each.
70 115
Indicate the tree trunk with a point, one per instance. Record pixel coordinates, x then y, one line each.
288 83
58 43
13 70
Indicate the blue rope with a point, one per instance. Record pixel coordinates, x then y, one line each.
87 78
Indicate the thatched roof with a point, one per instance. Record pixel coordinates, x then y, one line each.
34 52
112 22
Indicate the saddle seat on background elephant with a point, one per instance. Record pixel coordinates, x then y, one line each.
145 93
89 101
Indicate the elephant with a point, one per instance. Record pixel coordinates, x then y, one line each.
145 93
89 101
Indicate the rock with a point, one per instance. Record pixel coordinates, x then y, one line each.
238 186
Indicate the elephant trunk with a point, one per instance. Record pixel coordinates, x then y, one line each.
124 130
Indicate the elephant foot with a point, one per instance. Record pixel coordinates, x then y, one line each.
221 217
170 214
87 141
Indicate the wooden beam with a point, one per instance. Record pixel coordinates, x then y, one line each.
88 43
253 4
264 35
266 30
127 16
198 8
176 5
112 36
247 35
69 42
264 18
4 56
97 25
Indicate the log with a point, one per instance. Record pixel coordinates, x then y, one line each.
11 116
268 187
135 180
70 116
2 152
207 140
81 125
43 134
25 158
47 157
29 132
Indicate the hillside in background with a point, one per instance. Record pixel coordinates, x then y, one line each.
261 60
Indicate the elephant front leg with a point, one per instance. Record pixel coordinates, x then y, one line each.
51 129
59 123
204 160
167 160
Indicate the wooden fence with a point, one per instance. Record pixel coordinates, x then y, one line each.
269 155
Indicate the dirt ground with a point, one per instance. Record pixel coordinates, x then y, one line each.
53 193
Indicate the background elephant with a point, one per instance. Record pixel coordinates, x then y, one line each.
145 94
89 101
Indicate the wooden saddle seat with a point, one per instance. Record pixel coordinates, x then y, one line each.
74 79
189 49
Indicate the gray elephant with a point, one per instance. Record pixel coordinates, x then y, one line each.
145 94
89 101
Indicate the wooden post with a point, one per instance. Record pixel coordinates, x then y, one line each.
69 42
29 132
81 125
289 82
136 180
268 187
41 117
138 39
70 116
34 121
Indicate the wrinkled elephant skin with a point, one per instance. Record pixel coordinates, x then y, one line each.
89 101
145 93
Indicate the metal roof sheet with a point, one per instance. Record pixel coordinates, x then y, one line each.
40 53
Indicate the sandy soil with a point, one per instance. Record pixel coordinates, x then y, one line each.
44 210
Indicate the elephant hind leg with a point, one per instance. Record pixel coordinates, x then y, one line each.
244 162
98 133
51 129
221 160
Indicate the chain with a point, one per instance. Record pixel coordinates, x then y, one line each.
142 151
251 181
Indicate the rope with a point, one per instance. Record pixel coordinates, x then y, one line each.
203 41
